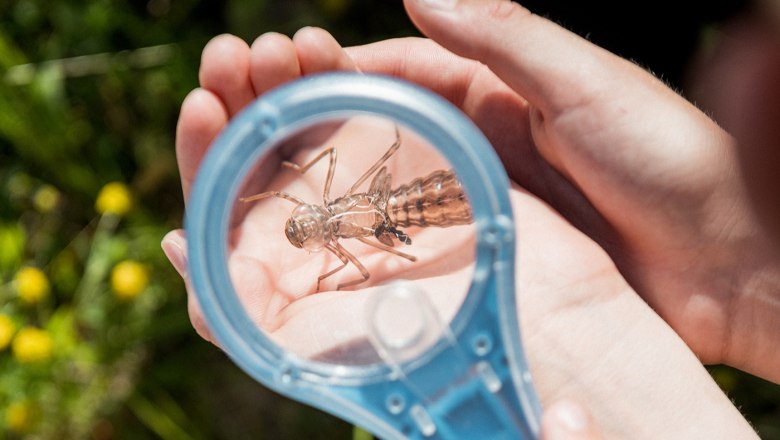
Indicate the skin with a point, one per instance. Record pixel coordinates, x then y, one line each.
627 190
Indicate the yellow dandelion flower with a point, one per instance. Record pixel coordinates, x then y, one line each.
128 279
32 345
32 285
45 198
7 329
19 416
114 198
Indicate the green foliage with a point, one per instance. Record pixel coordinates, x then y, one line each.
89 94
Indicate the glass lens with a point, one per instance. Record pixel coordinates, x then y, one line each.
350 236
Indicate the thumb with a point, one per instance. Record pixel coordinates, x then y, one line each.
548 65
566 420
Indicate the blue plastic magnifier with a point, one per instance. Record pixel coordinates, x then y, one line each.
381 341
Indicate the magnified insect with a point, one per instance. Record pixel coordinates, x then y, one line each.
379 213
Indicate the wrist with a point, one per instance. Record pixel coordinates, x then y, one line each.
633 372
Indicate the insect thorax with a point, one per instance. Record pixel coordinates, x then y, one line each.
355 216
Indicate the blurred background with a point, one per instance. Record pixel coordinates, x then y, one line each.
95 341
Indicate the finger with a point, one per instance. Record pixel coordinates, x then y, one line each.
224 70
425 62
550 66
319 52
466 83
566 420
494 107
273 61
174 246
202 117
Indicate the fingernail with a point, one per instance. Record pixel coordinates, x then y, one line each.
173 247
571 416
439 4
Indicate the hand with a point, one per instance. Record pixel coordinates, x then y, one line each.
646 174
587 334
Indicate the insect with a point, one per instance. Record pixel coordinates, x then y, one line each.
434 200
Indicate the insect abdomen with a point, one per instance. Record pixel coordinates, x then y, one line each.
434 200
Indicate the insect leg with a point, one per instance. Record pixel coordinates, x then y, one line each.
281 195
337 251
352 259
331 152
380 246
390 151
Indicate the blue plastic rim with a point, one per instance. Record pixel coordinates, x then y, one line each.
287 110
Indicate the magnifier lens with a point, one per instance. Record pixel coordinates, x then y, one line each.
328 219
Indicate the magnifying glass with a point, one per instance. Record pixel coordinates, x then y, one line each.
351 244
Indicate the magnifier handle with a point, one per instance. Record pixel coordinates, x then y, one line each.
485 406
464 391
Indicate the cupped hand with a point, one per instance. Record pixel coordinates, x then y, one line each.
275 280
635 166
588 336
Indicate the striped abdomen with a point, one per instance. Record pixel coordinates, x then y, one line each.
435 200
